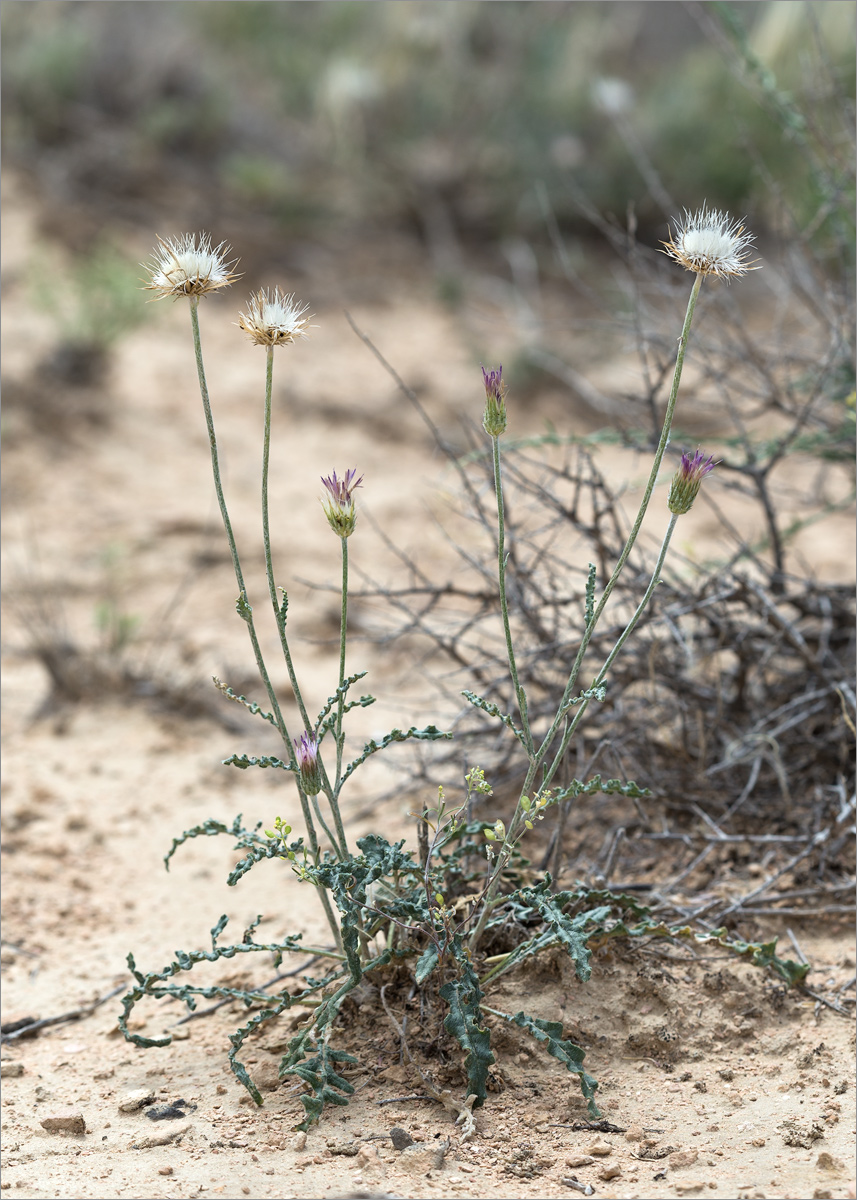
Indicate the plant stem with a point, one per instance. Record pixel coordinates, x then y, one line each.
266 534
279 614
608 662
520 697
338 735
247 610
632 537
537 758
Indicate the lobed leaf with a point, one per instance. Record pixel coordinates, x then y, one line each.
250 705
492 710
430 734
464 1022
549 1033
243 761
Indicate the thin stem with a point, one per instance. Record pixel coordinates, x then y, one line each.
266 451
279 615
343 624
608 662
245 609
632 537
339 738
520 697
514 825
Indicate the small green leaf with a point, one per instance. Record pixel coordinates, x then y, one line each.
493 711
464 1022
243 761
426 963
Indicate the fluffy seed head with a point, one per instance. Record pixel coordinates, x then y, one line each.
306 753
338 504
687 481
494 417
274 319
189 266
709 243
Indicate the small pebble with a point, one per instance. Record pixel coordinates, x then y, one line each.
609 1171
68 1121
134 1100
580 1160
634 1133
602 1149
9 1070
165 1170
400 1138
683 1158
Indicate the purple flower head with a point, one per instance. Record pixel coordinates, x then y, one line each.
494 417
696 467
688 480
494 382
341 489
339 505
306 753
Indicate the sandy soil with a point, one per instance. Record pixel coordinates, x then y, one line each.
713 1080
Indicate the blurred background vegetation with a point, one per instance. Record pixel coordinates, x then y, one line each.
443 119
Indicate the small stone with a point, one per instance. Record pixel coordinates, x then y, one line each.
800 1133
826 1162
368 1161
266 1075
220 1089
165 1170
690 1185
417 1160
400 1138
601 1149
10 1070
580 1160
608 1171
161 1139
67 1121
634 1133
136 1099
759 1141
683 1158
298 1142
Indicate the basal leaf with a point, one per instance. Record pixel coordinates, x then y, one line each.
464 1022
549 1033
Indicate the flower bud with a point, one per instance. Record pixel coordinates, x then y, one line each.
306 752
494 417
338 505
687 482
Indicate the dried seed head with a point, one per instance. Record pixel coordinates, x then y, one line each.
338 504
494 417
306 752
189 266
274 319
709 243
687 482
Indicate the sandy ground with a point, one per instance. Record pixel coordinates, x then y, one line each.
713 1080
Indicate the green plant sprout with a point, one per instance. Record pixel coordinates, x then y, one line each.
438 917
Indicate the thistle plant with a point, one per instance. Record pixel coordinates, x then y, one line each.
441 917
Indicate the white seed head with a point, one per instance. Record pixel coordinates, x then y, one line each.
273 319
189 266
709 243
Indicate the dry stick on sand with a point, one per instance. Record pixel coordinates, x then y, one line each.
76 1014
